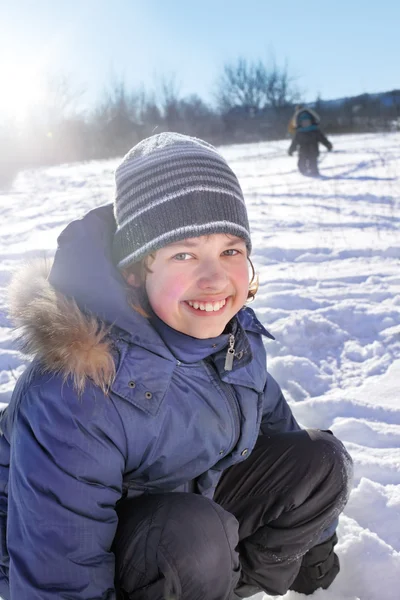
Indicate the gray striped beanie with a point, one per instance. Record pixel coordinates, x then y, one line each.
170 187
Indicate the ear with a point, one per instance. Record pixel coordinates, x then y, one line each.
131 279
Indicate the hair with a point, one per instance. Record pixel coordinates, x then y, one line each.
137 296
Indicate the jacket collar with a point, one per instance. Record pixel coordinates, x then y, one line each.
191 350
185 348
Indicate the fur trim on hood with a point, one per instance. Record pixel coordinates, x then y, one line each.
54 330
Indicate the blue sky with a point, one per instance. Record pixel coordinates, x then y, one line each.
333 48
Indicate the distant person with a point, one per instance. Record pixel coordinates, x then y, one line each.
147 452
307 138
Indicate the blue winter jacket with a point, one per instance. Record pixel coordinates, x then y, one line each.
76 437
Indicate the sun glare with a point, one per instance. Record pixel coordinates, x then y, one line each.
21 91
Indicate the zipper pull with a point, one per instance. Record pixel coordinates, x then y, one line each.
230 353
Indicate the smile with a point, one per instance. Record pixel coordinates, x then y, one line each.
207 306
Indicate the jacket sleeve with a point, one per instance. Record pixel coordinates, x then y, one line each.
324 140
277 415
66 470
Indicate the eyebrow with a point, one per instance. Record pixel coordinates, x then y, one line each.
191 243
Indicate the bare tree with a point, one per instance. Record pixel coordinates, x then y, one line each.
242 84
280 88
254 86
168 99
116 120
62 98
255 99
117 102
198 119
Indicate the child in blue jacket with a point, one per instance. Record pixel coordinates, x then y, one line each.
146 452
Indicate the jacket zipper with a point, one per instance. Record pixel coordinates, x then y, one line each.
233 402
230 353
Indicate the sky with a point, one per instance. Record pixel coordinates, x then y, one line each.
327 252
333 49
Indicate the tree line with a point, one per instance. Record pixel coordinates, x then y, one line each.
253 102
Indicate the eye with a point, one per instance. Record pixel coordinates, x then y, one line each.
181 256
231 252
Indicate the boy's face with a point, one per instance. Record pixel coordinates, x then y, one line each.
197 285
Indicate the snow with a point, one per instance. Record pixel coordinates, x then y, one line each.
327 252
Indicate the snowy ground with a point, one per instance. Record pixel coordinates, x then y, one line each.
327 252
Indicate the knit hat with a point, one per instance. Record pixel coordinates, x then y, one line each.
170 187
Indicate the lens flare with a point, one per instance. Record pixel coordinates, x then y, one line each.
21 91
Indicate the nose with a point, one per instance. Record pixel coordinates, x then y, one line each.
212 276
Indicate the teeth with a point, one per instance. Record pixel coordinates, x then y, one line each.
207 306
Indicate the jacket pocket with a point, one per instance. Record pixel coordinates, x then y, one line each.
143 379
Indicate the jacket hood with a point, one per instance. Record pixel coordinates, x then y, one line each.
52 329
64 309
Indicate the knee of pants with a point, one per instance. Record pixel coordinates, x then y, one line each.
334 460
199 540
189 539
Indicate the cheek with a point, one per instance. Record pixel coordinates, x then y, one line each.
243 279
176 285
165 290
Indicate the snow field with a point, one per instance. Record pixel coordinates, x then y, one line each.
327 252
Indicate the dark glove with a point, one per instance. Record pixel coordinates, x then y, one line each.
330 148
290 153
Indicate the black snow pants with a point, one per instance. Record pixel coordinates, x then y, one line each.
267 513
308 161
